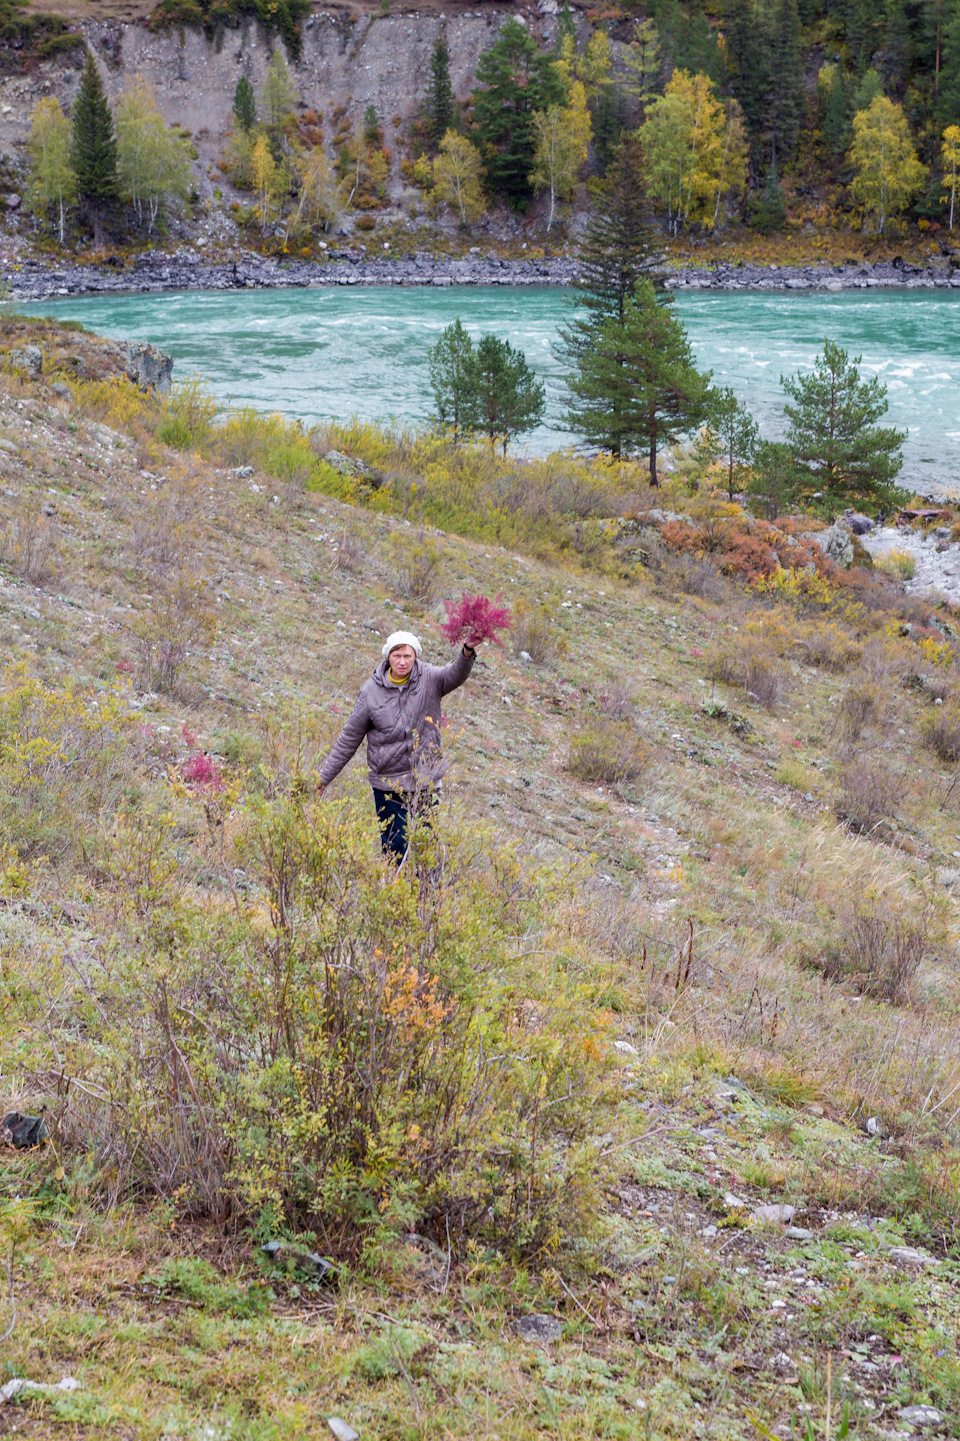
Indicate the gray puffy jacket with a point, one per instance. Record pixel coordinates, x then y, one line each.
401 724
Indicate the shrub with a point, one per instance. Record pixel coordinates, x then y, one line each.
535 633
607 752
828 646
349 1071
618 702
866 796
62 754
31 545
941 732
365 223
416 567
878 951
899 563
749 664
859 707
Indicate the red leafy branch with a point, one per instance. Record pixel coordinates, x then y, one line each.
199 770
474 618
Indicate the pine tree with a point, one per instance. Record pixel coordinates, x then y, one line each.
244 105
749 50
277 99
450 381
504 394
834 435
440 104
517 79
770 209
736 435
93 151
637 387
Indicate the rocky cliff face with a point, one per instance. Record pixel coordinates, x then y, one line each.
347 61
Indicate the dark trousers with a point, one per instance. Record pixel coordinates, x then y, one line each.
393 813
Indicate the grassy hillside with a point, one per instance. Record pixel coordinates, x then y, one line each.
685 926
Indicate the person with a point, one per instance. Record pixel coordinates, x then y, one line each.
398 712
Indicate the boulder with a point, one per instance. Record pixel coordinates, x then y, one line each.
148 368
858 524
27 359
836 544
22 1132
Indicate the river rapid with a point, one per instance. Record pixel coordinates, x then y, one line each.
337 352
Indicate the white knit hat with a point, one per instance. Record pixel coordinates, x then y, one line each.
401 637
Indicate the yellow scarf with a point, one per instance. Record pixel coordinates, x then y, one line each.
396 679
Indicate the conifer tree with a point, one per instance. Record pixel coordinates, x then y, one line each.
244 105
565 25
637 387
748 52
505 396
897 46
785 98
834 436
450 381
619 248
836 122
517 78
93 151
441 107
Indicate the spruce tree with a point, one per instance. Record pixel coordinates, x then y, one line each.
749 51
785 98
517 78
836 122
619 248
897 46
441 106
93 151
244 105
637 387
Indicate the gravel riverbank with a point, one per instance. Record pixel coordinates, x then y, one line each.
188 269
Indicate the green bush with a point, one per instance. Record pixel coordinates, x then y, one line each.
342 1054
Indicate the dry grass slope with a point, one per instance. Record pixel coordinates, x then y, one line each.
687 923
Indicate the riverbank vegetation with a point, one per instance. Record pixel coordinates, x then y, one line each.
680 945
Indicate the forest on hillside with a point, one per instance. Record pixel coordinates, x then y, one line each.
770 113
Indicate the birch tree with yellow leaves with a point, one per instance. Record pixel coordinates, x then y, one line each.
695 150
950 155
888 171
562 135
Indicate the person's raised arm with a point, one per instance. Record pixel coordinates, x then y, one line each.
456 672
347 743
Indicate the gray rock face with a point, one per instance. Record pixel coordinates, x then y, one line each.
149 368
859 524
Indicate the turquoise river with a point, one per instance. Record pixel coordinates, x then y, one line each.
341 351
